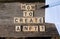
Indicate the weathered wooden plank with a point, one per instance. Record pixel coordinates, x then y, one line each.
7 27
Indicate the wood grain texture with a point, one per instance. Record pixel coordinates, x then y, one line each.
7 27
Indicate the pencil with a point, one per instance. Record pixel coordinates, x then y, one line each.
51 5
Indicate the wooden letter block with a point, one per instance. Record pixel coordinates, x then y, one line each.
30 20
42 28
17 28
30 7
28 13
40 20
23 6
16 20
25 28
33 7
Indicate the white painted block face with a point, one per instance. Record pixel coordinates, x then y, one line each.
16 20
42 28
28 13
23 6
30 20
33 7
30 7
40 20
17 28
25 28
30 28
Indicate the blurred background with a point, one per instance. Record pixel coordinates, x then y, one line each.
52 14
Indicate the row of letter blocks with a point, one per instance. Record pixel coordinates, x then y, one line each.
28 18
